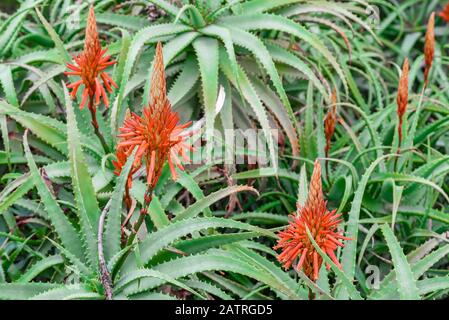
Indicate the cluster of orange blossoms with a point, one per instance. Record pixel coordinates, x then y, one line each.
429 51
444 14
157 135
323 226
89 66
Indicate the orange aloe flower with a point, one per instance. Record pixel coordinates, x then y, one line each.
122 156
157 134
402 97
322 224
89 66
444 14
329 122
429 47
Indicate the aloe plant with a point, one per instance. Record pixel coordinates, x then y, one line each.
211 233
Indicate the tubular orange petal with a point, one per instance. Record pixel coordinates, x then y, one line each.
84 98
302 259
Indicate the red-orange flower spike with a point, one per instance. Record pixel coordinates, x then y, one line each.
322 224
157 133
444 14
429 47
402 97
122 156
89 66
158 89
329 122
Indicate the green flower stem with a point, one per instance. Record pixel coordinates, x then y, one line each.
143 212
100 136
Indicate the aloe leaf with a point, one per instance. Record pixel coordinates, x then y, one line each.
202 204
147 273
206 50
54 36
184 82
66 232
8 197
277 22
112 232
348 285
405 278
39 267
389 287
208 287
23 291
349 252
67 292
158 240
430 285
171 49
136 47
242 82
207 262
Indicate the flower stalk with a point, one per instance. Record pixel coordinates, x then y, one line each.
93 114
148 197
157 137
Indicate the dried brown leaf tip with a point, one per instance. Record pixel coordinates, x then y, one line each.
429 47
329 122
402 97
444 14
